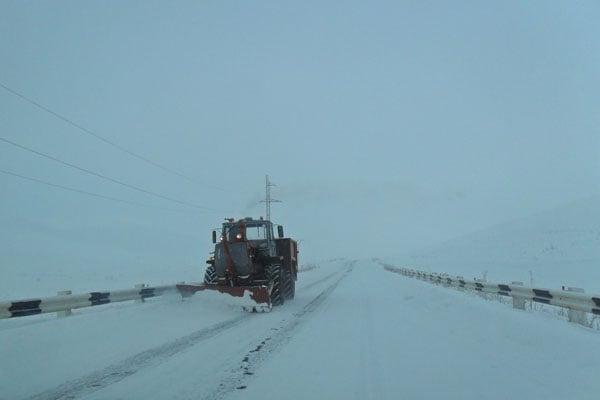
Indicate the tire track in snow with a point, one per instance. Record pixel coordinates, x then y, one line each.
280 336
117 372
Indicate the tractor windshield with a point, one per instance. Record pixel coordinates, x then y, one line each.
231 231
257 232
254 231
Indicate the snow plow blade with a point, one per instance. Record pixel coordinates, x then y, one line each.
259 297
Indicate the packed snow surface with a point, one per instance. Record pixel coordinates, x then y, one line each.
354 331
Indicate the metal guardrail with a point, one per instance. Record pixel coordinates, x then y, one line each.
65 302
572 301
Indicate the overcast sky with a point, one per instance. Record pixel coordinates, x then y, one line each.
387 126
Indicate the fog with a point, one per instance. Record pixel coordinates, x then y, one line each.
386 126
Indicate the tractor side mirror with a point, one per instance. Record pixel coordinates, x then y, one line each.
280 231
214 236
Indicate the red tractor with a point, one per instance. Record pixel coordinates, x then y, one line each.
249 259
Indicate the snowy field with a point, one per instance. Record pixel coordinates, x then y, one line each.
354 331
554 248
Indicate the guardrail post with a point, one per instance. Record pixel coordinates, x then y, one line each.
64 313
140 286
576 316
480 292
518 302
460 286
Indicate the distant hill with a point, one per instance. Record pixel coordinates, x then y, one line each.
560 247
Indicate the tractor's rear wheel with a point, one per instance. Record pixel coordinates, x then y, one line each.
275 275
210 276
290 286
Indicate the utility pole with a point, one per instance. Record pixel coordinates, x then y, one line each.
268 200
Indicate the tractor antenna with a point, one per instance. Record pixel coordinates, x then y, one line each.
268 200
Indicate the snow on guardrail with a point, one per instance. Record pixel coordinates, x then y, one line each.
65 302
576 302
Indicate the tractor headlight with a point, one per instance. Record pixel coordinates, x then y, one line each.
222 238
239 236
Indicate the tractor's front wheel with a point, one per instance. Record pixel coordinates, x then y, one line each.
210 276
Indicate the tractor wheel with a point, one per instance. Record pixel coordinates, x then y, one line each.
289 286
210 276
275 274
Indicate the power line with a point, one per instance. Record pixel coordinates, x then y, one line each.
135 203
94 134
87 171
107 141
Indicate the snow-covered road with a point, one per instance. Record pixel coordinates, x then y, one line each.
354 331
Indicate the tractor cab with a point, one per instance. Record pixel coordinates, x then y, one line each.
244 249
257 231
248 229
